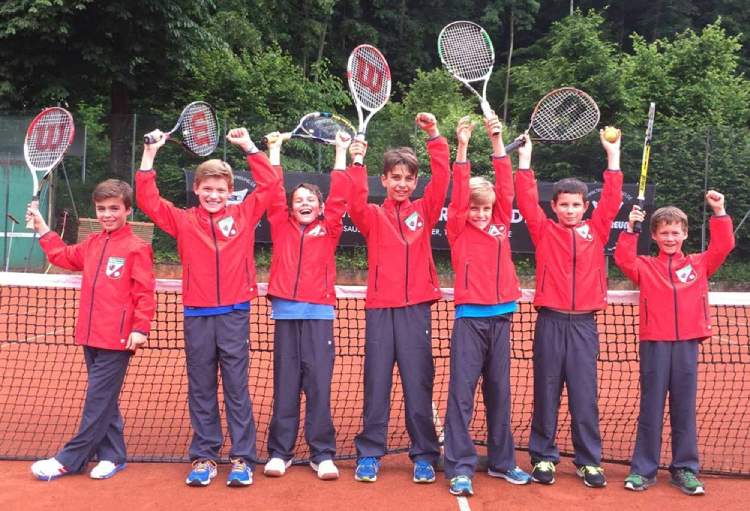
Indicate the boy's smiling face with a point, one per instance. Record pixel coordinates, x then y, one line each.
305 206
569 208
480 214
213 193
399 184
111 213
669 237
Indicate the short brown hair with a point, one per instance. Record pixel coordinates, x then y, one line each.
400 156
569 185
214 168
481 190
668 215
315 189
113 189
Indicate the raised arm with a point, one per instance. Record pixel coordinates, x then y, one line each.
722 239
437 147
458 209
335 205
527 193
162 212
503 209
611 198
359 209
278 211
626 255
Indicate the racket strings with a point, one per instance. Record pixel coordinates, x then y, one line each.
466 51
370 78
325 127
565 115
48 139
200 129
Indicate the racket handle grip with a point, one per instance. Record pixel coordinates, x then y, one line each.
489 114
150 139
34 206
360 158
514 145
637 226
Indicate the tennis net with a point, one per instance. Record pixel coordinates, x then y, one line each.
43 377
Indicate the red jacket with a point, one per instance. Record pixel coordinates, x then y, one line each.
570 270
401 271
673 301
482 262
216 250
117 286
303 263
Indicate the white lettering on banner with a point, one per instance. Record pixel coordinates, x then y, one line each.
619 225
350 228
516 218
444 214
437 232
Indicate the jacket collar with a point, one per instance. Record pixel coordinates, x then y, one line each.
120 233
203 214
677 257
392 205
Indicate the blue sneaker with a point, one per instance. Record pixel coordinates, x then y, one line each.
202 473
513 476
367 469
424 472
240 475
461 486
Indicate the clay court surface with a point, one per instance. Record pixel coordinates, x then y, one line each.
146 486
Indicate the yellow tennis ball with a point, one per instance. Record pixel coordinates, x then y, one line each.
611 134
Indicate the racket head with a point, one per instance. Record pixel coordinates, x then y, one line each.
199 128
48 136
466 51
369 78
564 115
322 127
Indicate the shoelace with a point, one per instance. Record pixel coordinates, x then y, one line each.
689 478
203 465
593 469
238 465
546 466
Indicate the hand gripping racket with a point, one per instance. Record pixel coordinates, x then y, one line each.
467 53
47 138
563 115
369 83
644 162
199 128
320 127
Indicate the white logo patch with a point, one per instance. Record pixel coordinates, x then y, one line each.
686 274
237 196
318 230
226 226
584 232
414 221
114 267
496 230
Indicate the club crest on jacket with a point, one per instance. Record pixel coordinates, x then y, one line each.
226 226
414 221
584 232
114 267
496 230
686 274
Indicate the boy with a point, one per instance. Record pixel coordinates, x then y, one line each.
401 288
114 318
486 289
215 242
674 320
571 286
303 274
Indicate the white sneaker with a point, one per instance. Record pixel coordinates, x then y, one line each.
105 469
326 470
46 470
276 467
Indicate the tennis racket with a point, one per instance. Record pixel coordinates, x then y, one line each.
369 83
320 127
199 128
47 138
644 162
467 53
563 115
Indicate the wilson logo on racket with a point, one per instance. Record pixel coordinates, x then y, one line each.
368 75
48 137
199 124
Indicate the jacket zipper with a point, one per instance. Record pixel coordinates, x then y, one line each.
401 231
573 297
299 261
187 277
497 278
544 276
216 249
645 312
93 287
674 293
122 322
705 308
376 277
